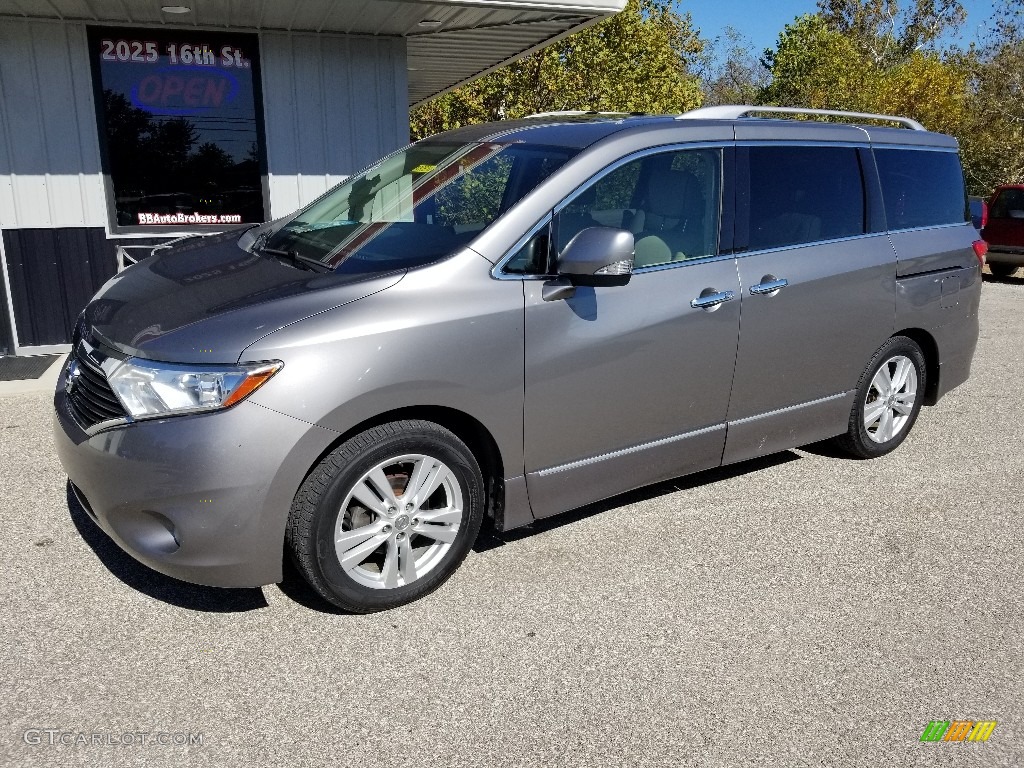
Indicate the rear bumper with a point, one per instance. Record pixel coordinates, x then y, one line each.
202 498
1006 254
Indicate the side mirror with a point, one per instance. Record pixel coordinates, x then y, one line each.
598 256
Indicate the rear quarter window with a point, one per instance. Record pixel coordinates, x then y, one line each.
921 188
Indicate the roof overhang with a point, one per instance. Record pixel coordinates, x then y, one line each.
449 42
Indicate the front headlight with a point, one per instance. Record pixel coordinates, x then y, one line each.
147 389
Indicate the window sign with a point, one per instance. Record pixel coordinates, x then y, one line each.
179 118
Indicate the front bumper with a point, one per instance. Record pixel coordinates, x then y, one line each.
202 498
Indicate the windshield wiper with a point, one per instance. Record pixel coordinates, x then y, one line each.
297 258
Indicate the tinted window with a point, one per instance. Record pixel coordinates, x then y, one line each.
178 117
669 201
804 195
921 188
1009 204
417 205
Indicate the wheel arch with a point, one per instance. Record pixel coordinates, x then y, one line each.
468 429
930 349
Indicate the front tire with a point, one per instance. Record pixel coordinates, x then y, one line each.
387 517
888 400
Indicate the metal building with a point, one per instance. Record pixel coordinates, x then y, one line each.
115 116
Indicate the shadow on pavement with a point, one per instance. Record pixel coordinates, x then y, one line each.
1008 280
213 599
491 539
156 585
829 450
296 587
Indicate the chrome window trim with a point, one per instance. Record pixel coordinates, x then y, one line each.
498 273
790 247
684 263
932 226
852 144
916 147
802 143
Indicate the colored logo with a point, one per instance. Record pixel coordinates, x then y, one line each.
958 730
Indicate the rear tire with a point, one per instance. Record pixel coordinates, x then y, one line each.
1001 270
387 517
888 400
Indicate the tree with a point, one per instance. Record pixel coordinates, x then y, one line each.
994 140
887 33
734 75
638 60
864 56
815 66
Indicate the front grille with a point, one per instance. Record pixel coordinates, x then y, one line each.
91 398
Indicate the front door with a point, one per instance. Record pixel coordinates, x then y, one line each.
626 386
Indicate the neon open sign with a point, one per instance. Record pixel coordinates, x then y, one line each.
182 90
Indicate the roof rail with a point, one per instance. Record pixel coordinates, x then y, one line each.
735 111
579 112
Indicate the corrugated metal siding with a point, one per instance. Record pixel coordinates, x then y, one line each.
49 150
503 29
332 105
367 17
441 60
54 273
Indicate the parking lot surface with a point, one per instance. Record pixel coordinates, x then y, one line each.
799 610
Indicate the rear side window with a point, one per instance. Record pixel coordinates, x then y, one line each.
804 195
921 188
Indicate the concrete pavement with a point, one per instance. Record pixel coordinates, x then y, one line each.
799 610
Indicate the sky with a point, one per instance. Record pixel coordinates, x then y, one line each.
761 21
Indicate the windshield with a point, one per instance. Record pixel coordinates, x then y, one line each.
417 205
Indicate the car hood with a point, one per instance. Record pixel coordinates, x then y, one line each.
206 299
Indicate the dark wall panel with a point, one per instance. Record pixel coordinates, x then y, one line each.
53 274
6 336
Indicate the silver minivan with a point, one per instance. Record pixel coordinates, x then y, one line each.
509 321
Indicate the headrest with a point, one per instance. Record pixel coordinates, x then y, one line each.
670 193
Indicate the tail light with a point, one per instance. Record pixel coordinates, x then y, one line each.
984 214
980 249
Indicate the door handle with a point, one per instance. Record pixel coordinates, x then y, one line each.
769 286
711 301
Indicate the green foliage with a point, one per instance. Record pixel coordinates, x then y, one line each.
815 66
734 74
887 33
994 139
475 197
866 56
637 61
859 55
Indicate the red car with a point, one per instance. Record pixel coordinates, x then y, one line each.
1004 231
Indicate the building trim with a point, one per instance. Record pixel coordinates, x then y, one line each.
12 324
